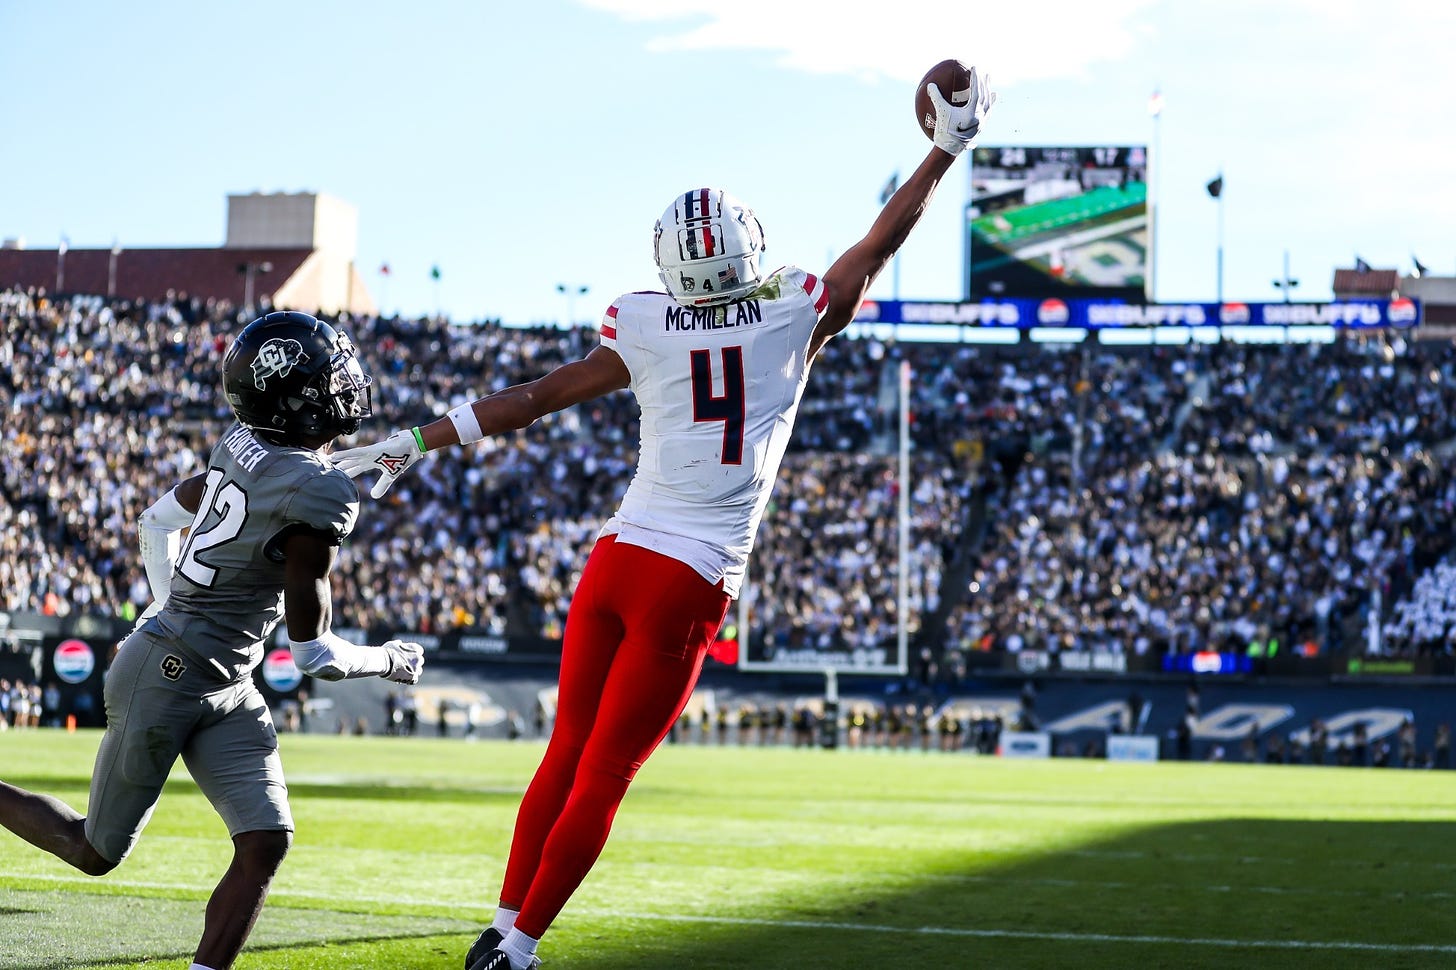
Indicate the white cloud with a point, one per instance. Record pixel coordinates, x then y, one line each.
899 40
1329 116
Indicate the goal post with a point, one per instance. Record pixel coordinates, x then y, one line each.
882 660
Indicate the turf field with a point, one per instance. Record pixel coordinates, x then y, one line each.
761 858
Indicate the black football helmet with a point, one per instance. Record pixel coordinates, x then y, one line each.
295 376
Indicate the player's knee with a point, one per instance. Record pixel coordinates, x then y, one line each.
263 851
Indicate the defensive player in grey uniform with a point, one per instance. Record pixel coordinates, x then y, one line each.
266 520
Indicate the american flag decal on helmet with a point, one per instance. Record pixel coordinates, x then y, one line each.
699 243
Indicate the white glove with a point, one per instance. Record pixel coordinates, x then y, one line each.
956 126
405 661
391 457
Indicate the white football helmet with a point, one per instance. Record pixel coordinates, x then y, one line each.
707 246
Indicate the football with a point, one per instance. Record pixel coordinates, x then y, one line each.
954 81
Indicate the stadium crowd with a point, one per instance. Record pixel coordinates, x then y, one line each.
1170 498
1270 510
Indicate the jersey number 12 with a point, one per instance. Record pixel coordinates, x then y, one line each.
230 503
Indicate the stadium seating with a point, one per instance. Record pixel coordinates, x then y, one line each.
1158 499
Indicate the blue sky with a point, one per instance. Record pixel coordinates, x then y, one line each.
521 146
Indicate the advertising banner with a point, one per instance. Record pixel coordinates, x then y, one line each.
1026 744
1096 314
1125 747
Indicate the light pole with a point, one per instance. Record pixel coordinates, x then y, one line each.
1215 189
571 291
249 270
1287 283
61 264
111 270
1155 195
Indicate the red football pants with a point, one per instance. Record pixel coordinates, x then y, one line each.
636 633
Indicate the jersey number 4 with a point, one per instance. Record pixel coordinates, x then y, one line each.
729 407
231 505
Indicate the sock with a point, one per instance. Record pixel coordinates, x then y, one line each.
198 966
505 920
520 948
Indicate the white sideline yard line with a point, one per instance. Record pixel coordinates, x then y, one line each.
1345 945
967 933
280 894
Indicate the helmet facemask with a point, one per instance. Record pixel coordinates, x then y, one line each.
347 386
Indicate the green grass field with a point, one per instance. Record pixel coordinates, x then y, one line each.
772 858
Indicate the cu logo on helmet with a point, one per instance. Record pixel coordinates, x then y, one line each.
275 359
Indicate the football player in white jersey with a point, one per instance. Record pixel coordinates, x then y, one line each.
266 520
717 364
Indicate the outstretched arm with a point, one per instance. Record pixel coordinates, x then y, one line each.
852 274
849 279
599 372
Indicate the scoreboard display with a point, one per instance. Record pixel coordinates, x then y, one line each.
1057 221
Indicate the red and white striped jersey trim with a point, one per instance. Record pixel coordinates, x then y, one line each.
817 291
609 324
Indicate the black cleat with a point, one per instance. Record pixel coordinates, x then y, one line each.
497 960
487 941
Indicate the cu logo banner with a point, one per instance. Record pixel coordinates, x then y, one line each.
172 667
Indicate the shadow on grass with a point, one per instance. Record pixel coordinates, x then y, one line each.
1229 893
1253 893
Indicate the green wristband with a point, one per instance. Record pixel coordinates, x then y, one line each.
419 439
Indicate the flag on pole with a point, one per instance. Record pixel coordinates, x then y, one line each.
65 245
890 188
1420 266
1155 103
1361 266
1215 188
435 273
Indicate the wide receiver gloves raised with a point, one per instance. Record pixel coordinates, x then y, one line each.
956 126
392 457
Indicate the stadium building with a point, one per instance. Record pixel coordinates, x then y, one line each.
281 249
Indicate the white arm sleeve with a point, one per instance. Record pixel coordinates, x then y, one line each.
331 657
157 534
